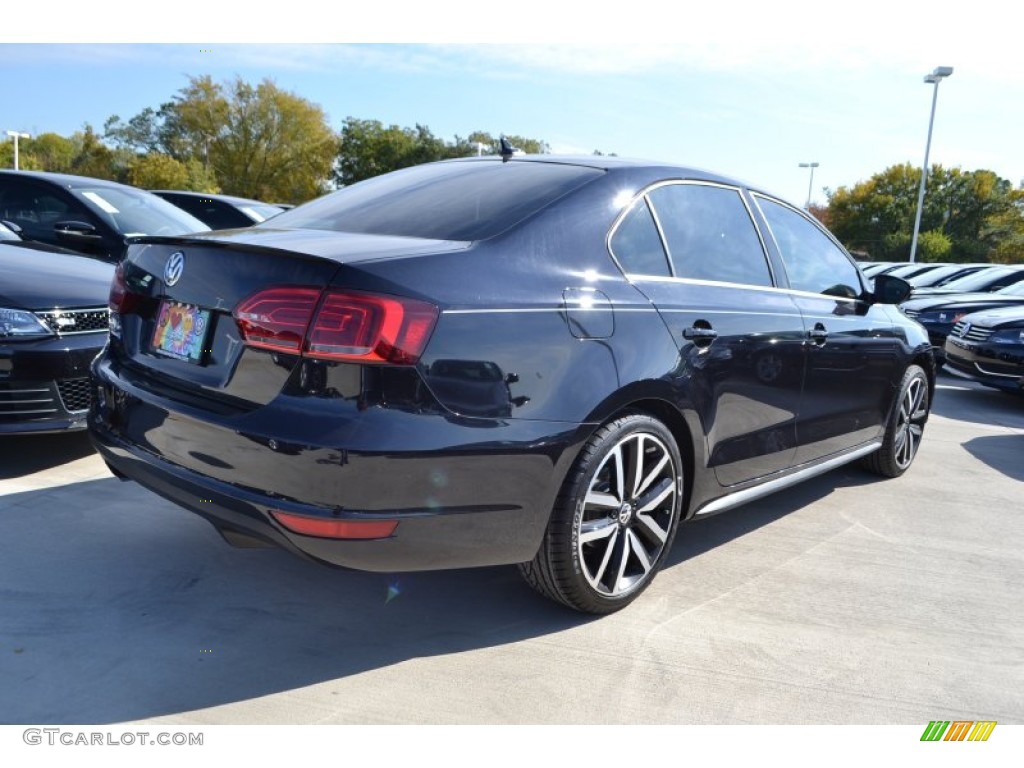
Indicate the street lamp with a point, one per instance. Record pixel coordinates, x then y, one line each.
17 135
810 184
935 77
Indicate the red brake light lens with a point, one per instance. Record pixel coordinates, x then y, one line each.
337 325
277 318
373 329
121 300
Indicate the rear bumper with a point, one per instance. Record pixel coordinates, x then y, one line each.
466 495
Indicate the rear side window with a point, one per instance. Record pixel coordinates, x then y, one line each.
813 262
637 245
443 201
710 234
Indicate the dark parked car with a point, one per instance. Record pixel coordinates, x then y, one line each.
987 280
988 346
939 313
53 322
220 211
945 274
91 216
546 361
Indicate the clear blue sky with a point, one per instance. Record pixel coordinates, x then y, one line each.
747 89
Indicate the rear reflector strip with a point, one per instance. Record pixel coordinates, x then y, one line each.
336 529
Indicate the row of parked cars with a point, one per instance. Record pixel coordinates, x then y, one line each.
974 315
53 302
544 361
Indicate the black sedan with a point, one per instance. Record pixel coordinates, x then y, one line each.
988 280
220 211
939 313
544 361
91 216
53 322
988 346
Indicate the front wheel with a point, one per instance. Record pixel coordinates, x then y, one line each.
905 427
615 518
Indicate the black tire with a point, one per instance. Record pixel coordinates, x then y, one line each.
614 520
905 426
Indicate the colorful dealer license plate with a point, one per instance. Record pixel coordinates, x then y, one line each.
181 331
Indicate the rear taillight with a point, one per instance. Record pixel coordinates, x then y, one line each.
337 325
277 318
121 300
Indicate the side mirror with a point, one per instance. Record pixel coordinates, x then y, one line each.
891 290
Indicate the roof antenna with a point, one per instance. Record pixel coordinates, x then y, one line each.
507 150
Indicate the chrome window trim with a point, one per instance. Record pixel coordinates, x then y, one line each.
759 196
664 241
633 277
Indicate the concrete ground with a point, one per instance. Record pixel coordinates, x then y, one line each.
847 600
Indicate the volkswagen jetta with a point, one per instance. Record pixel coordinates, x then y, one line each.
551 362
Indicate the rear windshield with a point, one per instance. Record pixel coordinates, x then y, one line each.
441 201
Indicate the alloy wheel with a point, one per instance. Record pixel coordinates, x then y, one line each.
628 512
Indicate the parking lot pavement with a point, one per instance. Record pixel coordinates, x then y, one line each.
845 600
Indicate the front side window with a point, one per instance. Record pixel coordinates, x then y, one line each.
637 245
37 210
813 262
710 234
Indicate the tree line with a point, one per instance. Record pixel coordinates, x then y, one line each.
263 142
968 216
256 141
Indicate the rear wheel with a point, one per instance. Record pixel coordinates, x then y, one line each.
905 427
615 518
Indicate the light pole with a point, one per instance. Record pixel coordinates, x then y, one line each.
810 184
935 77
17 135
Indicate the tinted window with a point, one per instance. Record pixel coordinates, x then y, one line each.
813 262
211 212
444 201
36 209
133 212
710 234
637 244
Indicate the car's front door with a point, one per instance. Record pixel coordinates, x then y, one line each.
851 344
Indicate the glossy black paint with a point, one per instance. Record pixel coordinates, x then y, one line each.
541 338
44 382
939 314
988 346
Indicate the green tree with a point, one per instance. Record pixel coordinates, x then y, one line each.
156 170
92 157
51 151
974 211
256 141
369 148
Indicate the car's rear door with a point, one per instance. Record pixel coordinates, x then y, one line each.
740 339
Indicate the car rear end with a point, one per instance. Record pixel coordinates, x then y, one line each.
277 394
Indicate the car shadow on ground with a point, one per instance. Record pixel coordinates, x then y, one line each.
119 606
965 400
1004 453
22 455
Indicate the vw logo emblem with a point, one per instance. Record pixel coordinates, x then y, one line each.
966 330
174 267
